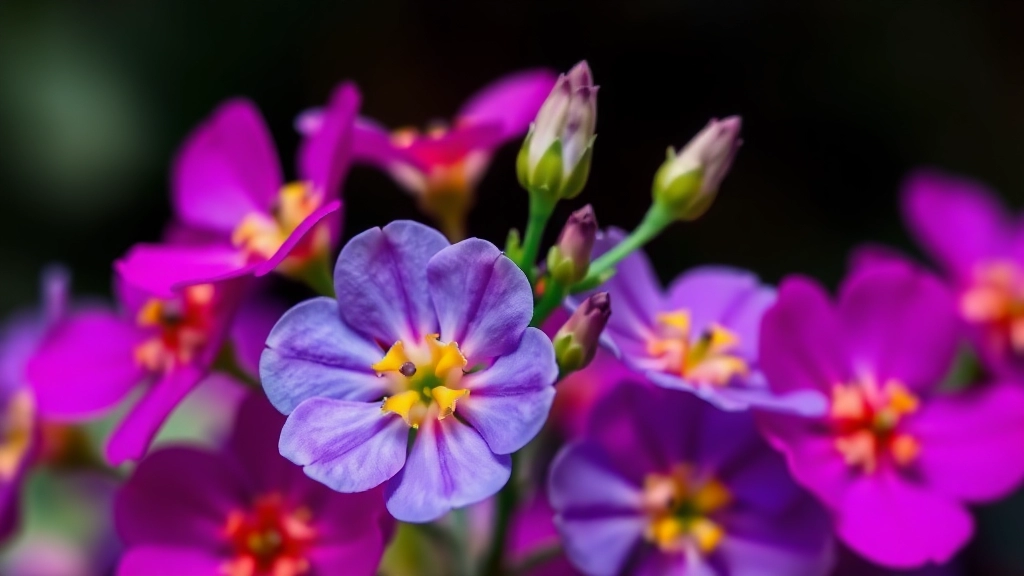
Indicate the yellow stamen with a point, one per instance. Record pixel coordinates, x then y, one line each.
712 496
408 405
707 358
680 505
445 357
679 320
393 360
707 534
905 449
446 399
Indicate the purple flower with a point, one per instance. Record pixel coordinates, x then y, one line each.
443 165
421 330
893 459
699 335
19 422
980 246
238 214
244 512
666 484
91 360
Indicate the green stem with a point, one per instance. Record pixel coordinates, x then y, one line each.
540 213
318 276
554 294
654 222
507 500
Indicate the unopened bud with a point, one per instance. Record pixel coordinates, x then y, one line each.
569 258
687 182
555 158
577 340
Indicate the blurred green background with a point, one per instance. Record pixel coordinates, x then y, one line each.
839 99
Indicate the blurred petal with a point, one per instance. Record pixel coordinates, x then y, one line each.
381 281
449 466
483 300
325 156
169 561
161 269
296 236
511 399
371 144
511 101
250 328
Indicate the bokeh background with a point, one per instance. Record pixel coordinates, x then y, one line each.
840 100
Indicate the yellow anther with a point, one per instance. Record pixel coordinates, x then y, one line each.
408 405
901 400
679 320
711 496
706 358
445 357
446 399
905 449
263 234
151 313
393 360
706 533
722 339
666 533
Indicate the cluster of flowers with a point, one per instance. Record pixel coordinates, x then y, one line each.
563 416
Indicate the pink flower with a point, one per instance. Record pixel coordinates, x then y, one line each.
893 458
232 204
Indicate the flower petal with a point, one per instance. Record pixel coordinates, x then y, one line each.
966 439
511 101
169 561
811 454
85 365
715 294
801 344
795 542
958 221
449 466
899 525
312 353
132 436
325 156
381 280
483 300
179 497
228 168
161 269
250 328
510 400
899 322
304 227
349 446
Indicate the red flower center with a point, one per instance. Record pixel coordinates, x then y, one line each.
270 539
867 421
182 326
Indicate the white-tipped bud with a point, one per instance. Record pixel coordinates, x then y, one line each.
686 183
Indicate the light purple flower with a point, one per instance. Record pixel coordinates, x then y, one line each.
238 214
19 415
980 247
893 459
91 360
244 512
666 484
442 165
700 335
420 330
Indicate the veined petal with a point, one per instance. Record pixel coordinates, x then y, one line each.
348 446
381 279
449 466
483 300
512 101
511 399
226 169
161 269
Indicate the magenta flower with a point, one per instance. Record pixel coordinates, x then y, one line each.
666 484
244 512
980 247
19 419
700 335
443 165
94 358
240 217
532 533
893 459
424 336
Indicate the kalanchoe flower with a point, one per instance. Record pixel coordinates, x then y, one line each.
19 418
554 161
699 335
577 340
244 512
665 484
569 259
978 244
443 165
240 216
424 336
687 183
89 362
894 459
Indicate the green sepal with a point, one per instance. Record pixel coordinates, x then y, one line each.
547 175
523 160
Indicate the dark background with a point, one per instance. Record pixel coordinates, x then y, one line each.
839 99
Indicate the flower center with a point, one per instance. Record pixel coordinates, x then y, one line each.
705 358
261 235
16 432
679 507
269 539
867 419
995 301
422 377
182 328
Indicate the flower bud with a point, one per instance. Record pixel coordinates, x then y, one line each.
577 340
686 184
555 158
569 258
